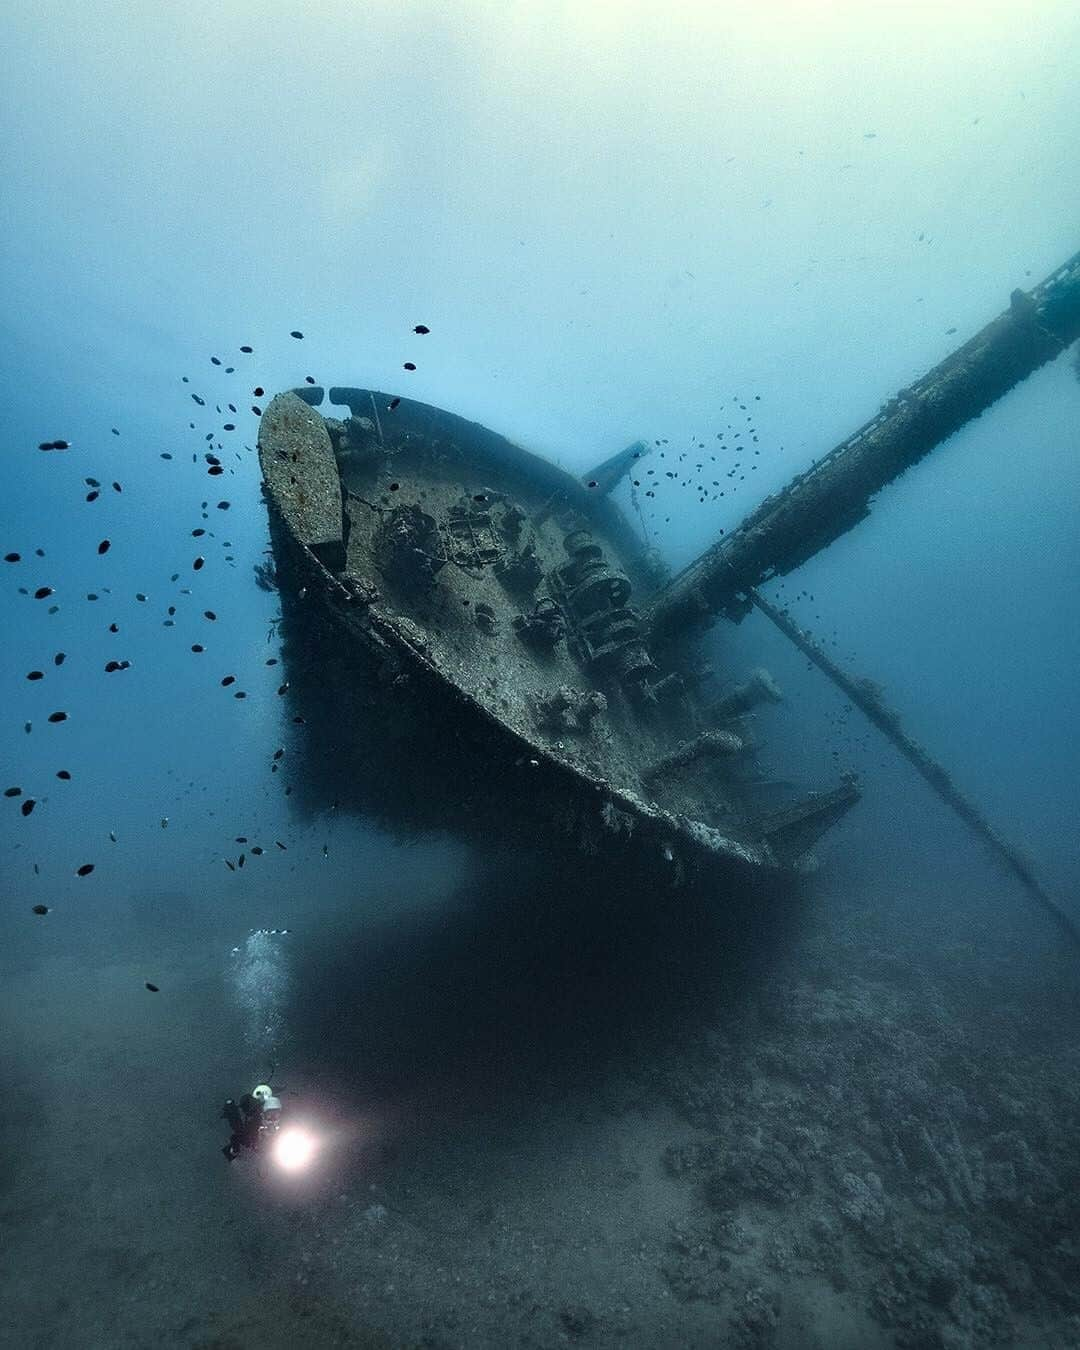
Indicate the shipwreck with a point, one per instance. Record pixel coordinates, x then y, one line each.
513 611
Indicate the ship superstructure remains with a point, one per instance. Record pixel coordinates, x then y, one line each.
525 612
516 589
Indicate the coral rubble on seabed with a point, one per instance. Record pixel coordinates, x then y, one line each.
864 1148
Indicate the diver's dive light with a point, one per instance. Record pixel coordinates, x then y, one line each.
294 1148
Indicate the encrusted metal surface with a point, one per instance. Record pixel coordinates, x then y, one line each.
300 470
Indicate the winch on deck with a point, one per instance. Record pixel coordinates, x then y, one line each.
604 632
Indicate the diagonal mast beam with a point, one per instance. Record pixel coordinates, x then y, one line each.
835 493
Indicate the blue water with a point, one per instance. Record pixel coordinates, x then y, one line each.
616 222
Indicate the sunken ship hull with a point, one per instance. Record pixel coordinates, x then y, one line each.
476 638
460 642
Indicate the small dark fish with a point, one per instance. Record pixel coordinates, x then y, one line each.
949 330
198 564
410 365
41 909
258 391
59 658
223 506
35 675
12 557
393 404
13 792
153 988
58 717
296 333
165 455
200 401
239 694
115 432
117 487
197 647
209 614
63 775
104 546
229 865
247 350
42 592
214 361
240 860
28 806
215 470
421 328
309 379
272 661
283 688
141 597
257 851
240 839
229 679
256 410
281 845
91 482
278 753
114 628
229 426
85 869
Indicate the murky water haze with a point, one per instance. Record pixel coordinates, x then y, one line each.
616 223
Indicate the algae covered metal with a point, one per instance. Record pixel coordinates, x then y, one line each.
512 610
499 596
835 493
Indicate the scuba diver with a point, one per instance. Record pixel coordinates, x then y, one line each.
257 1117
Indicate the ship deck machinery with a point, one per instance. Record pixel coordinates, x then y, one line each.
508 592
524 612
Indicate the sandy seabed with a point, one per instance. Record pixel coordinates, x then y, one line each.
868 1139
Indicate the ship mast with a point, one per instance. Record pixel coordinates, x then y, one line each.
835 493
